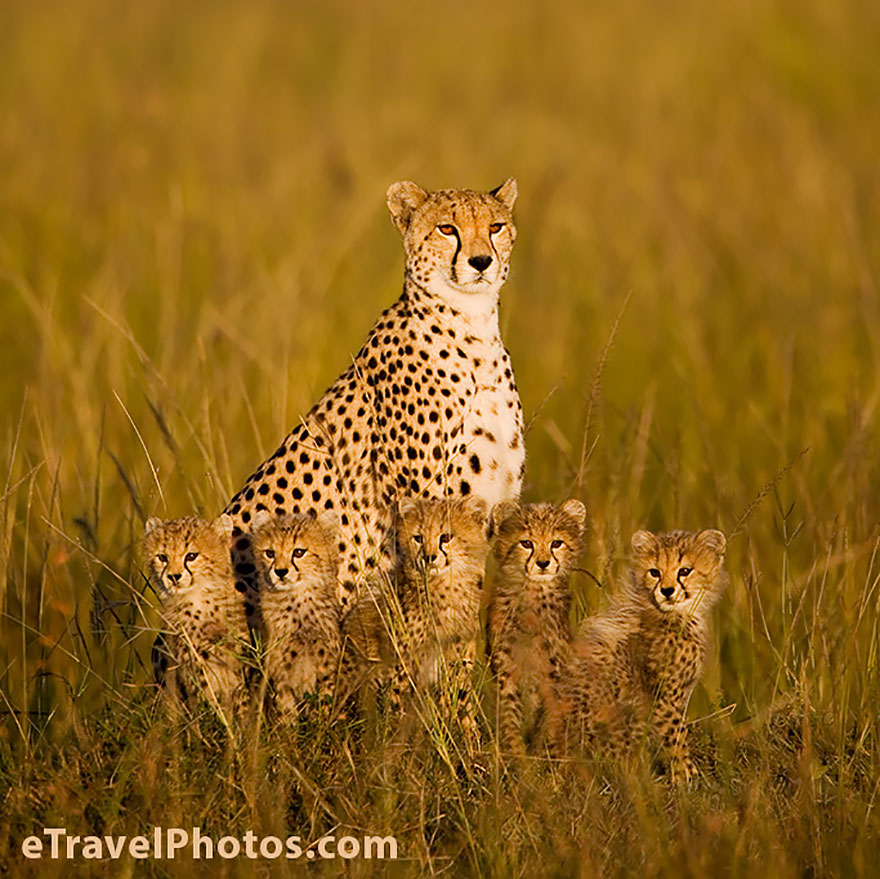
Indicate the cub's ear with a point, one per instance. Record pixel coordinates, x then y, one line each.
713 540
501 512
506 193
406 506
576 510
329 525
152 524
403 198
478 508
223 526
644 543
260 519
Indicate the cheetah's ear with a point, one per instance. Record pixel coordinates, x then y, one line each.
403 198
152 524
406 506
223 526
501 512
478 508
506 193
576 510
260 519
713 540
329 525
644 543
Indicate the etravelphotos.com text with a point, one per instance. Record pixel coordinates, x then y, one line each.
176 842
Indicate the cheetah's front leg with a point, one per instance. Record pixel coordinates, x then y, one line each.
461 685
669 723
510 715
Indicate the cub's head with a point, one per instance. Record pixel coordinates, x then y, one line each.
680 572
180 554
457 241
294 552
541 541
436 536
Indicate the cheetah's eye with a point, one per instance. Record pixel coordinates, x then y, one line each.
495 228
446 228
445 538
162 558
683 572
299 552
417 538
555 544
269 553
191 556
527 544
654 572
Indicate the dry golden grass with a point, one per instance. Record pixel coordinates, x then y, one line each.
192 242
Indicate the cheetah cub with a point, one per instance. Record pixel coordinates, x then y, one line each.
528 630
634 667
205 633
442 547
424 634
297 561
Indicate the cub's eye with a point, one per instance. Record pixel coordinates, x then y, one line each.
417 538
447 228
299 552
269 553
445 538
555 544
495 228
191 556
683 572
654 572
527 544
162 558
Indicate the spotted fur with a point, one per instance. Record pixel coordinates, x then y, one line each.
529 629
297 561
429 405
204 639
634 667
424 636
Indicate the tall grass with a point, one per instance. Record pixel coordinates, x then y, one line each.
193 241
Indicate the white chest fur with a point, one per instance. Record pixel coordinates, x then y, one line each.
493 429
490 454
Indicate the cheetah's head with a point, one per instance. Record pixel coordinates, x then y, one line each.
541 540
295 552
441 535
457 241
679 571
180 554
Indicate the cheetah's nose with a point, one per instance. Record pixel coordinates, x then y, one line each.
281 573
174 577
430 559
543 564
667 591
480 263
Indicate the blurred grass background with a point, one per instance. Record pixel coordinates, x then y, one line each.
193 241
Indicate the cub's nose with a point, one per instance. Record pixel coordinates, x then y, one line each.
281 573
667 591
174 578
480 263
543 564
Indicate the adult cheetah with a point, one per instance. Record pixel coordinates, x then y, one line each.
428 407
